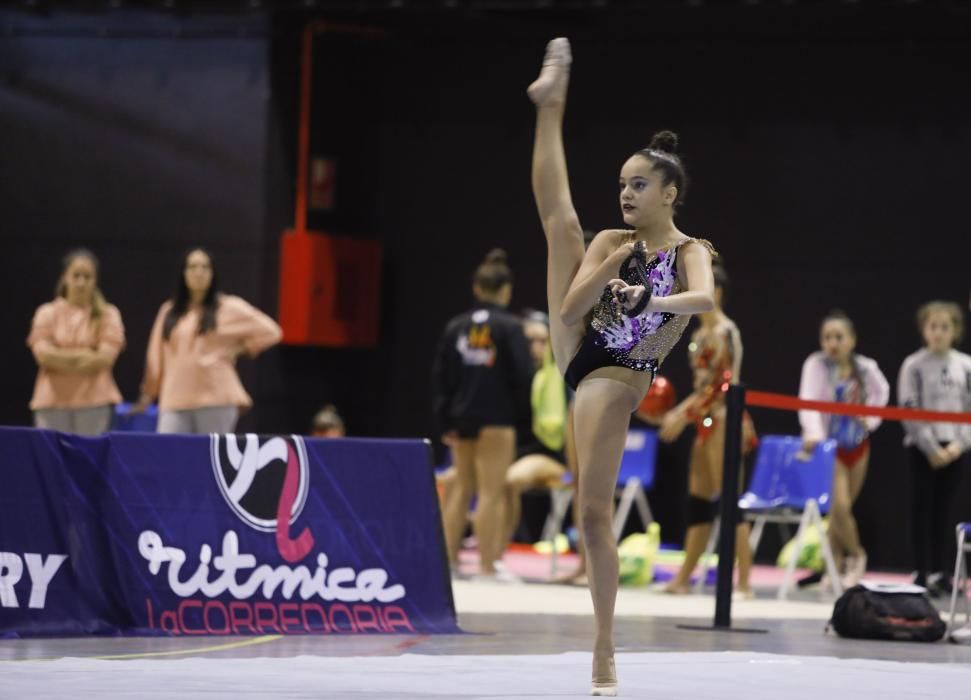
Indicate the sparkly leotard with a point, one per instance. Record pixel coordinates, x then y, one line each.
639 342
852 441
715 358
711 354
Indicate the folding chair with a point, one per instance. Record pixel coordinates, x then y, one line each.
146 422
787 489
960 582
636 475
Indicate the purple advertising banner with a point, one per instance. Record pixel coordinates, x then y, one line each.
219 535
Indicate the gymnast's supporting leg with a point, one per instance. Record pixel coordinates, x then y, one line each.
603 408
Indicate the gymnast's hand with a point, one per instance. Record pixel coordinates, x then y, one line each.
673 424
631 298
808 447
954 450
940 458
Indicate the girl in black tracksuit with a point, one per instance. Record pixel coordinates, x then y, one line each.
481 382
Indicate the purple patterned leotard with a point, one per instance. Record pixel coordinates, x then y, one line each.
639 342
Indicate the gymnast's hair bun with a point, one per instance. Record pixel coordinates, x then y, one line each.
496 256
665 142
494 272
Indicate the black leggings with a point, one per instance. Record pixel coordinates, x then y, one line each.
935 511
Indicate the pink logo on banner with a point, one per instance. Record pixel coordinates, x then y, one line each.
265 481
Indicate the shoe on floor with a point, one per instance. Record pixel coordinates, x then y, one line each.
810 579
500 575
962 635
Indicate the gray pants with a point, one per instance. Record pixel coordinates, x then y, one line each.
200 421
80 421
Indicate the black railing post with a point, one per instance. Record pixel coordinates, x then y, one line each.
735 407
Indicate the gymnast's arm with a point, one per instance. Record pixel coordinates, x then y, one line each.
600 265
700 289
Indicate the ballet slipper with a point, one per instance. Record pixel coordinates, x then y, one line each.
743 594
554 76
604 683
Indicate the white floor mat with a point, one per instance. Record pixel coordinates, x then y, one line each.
694 676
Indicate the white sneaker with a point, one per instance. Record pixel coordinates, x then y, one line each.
504 575
962 635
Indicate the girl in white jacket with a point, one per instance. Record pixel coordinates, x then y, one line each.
838 373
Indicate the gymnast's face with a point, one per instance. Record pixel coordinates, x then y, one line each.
644 198
837 340
939 331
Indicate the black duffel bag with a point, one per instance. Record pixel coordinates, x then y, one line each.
900 612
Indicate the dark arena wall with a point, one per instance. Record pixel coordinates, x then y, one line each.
826 144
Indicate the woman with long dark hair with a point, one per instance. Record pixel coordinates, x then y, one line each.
190 365
75 340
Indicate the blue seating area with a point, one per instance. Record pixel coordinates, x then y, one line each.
788 487
636 475
124 421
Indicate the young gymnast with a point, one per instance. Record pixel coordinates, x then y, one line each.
480 387
715 353
615 313
838 373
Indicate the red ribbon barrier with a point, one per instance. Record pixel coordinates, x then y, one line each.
791 403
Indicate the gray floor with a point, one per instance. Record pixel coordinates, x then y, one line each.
520 641
503 634
500 656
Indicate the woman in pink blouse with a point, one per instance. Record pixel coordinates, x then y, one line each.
191 361
75 340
